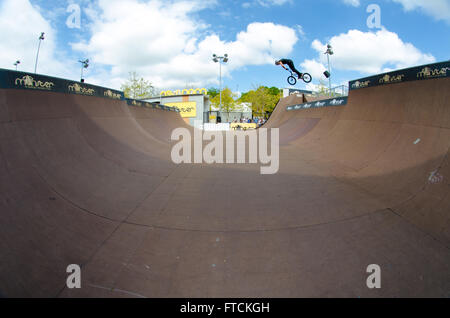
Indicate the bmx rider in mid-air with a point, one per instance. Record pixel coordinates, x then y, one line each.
289 63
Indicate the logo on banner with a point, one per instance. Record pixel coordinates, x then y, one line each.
335 102
428 72
359 84
112 95
388 79
30 82
77 88
319 104
136 103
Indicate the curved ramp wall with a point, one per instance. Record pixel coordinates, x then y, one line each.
88 180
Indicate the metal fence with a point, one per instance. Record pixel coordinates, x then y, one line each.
227 117
337 91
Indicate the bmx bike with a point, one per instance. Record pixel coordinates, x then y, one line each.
292 79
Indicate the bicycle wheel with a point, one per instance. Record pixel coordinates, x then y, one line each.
306 78
291 80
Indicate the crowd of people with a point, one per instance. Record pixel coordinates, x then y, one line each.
258 121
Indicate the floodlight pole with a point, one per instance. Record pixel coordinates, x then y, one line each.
329 52
220 60
329 71
37 55
84 64
220 86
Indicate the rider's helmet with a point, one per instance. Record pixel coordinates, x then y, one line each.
277 62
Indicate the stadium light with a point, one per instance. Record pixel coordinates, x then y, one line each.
220 60
16 63
41 38
329 52
84 64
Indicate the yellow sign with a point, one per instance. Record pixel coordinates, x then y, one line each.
185 92
187 109
243 126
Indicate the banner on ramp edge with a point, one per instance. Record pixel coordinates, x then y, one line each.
338 101
141 103
424 72
21 80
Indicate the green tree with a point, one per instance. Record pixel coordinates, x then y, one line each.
137 88
322 88
228 100
263 99
275 91
213 92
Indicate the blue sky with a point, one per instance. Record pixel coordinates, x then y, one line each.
170 42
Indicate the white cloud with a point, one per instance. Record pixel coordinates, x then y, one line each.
354 3
314 68
261 43
301 32
439 9
167 45
163 41
314 87
371 52
22 25
268 3
265 3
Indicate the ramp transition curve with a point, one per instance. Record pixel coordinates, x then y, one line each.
88 180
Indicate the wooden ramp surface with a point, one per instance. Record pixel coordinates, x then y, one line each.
89 181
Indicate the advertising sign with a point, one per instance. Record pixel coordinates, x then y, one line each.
187 109
424 72
141 103
186 91
338 101
30 81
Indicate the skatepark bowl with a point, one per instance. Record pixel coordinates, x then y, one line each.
89 180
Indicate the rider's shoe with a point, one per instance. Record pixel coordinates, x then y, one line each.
300 76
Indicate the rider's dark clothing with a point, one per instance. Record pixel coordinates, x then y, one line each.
290 63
